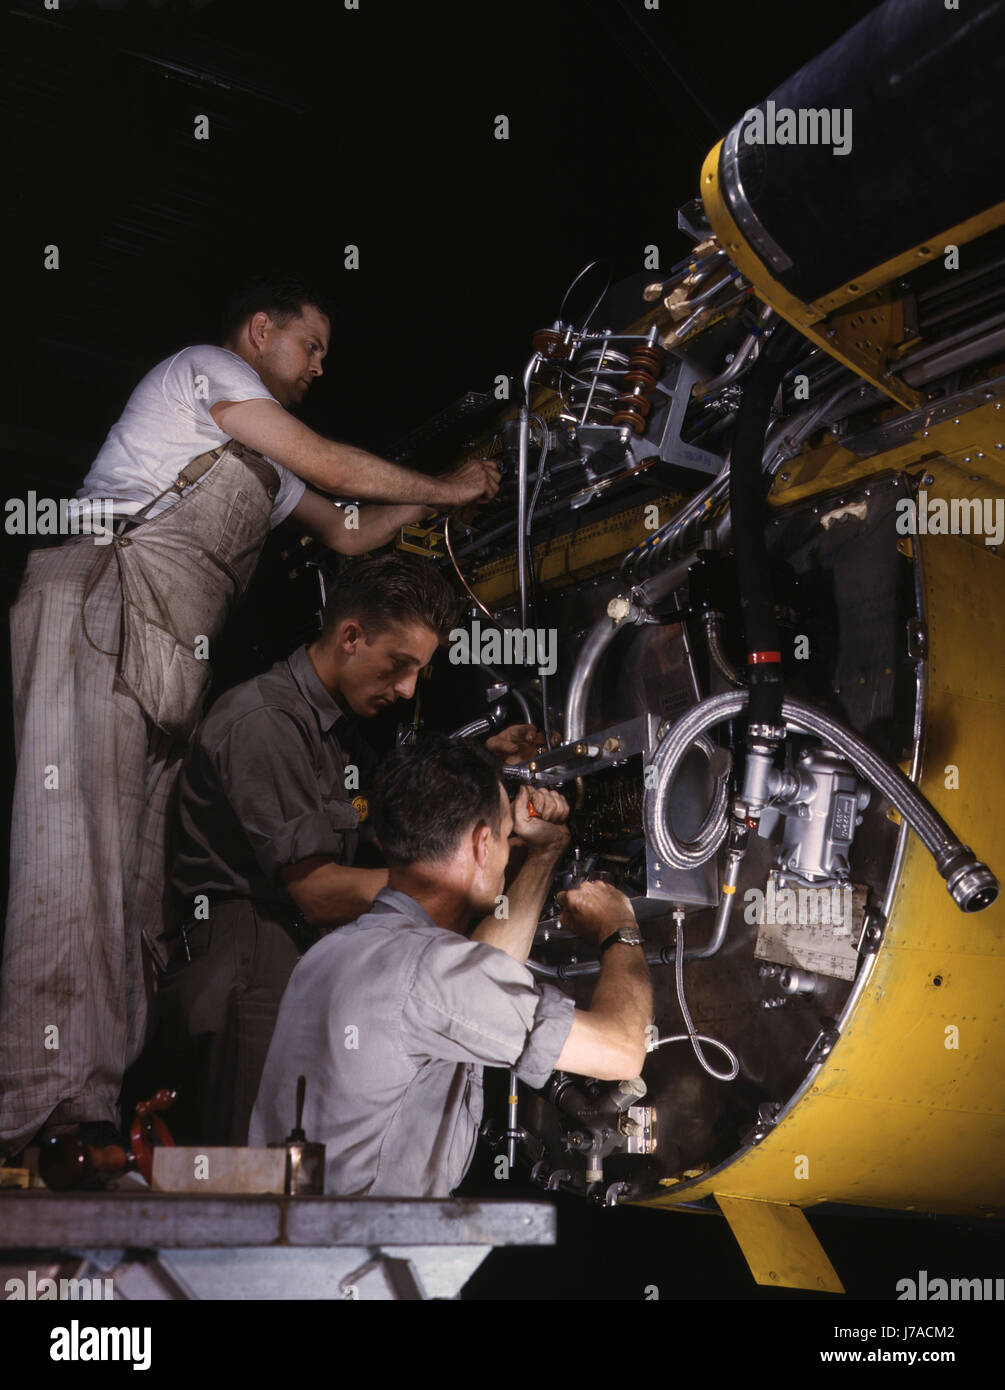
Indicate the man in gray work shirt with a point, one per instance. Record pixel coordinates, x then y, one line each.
271 797
392 1017
270 801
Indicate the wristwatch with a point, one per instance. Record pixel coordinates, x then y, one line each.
628 936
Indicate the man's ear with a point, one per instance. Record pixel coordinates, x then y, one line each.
350 635
480 839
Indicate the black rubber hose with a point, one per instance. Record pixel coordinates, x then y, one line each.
746 504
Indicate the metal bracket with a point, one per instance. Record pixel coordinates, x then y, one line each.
825 1042
872 933
917 639
767 1117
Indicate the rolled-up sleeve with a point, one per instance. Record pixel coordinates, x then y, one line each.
469 1002
199 377
266 767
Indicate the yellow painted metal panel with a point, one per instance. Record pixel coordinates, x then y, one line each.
973 443
779 1245
808 320
909 260
903 1113
590 549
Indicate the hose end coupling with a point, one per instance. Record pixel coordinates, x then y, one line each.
972 884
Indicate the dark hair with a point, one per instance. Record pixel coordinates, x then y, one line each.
427 796
282 295
392 589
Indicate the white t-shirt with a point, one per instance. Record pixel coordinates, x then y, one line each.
166 424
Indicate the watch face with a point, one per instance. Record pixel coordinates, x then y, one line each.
631 935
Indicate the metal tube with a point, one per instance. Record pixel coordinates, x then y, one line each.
723 912
932 349
960 356
602 634
750 344
521 551
499 679
713 636
512 1128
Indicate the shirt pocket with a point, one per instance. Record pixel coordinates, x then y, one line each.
341 814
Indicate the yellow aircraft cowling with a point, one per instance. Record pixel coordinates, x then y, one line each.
907 1112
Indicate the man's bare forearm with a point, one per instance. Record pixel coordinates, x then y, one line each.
360 474
330 894
342 469
624 991
524 898
377 525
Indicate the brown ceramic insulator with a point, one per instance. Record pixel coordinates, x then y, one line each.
633 418
550 344
645 366
634 401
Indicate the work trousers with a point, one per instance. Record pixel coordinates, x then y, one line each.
88 852
218 1013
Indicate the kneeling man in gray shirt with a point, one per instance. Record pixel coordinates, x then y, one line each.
392 1017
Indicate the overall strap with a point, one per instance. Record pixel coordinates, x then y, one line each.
190 474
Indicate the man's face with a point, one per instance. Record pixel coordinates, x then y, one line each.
290 356
377 668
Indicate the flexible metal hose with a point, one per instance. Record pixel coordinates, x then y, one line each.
666 844
970 882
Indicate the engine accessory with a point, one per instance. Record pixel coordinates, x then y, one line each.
820 804
970 882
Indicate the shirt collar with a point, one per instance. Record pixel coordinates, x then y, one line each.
324 705
407 906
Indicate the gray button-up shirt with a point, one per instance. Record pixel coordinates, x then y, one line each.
391 1020
264 785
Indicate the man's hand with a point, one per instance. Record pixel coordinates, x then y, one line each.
539 818
475 481
518 743
595 910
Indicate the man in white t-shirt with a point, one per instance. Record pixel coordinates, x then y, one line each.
108 652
